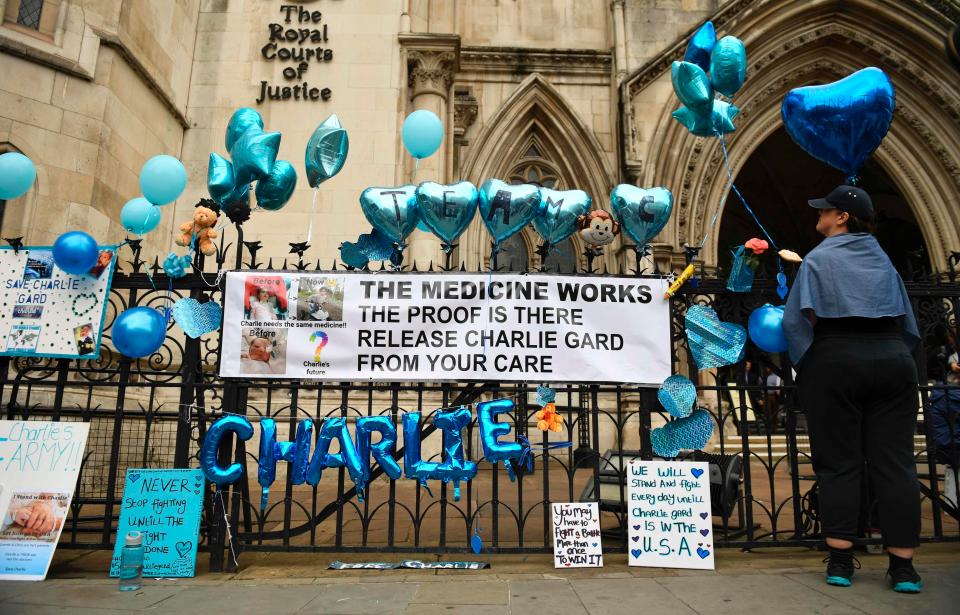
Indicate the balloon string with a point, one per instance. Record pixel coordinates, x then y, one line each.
416 167
313 209
733 186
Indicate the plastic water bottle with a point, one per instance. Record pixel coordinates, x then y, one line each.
131 563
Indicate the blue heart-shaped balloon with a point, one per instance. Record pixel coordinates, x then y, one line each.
243 119
326 151
561 209
692 86
506 208
254 154
841 123
690 433
712 342
274 190
447 210
677 395
642 212
197 318
701 46
392 211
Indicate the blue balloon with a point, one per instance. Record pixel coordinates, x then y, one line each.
728 65
719 120
253 155
454 467
394 212
274 190
701 45
383 450
559 216
139 216
506 209
162 179
138 332
221 182
490 430
326 151
841 123
422 133
75 252
215 473
641 212
267 459
16 175
243 119
447 210
692 86
413 466
335 428
766 328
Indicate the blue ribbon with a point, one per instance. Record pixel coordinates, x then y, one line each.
524 462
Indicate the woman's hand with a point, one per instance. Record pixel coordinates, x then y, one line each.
41 518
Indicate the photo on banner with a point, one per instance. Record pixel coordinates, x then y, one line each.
436 327
47 312
39 464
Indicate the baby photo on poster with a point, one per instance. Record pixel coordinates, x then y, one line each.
263 351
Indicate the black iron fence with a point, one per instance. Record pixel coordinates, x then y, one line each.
154 412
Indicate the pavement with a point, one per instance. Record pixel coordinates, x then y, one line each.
777 580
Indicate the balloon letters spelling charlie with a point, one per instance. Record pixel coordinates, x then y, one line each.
355 456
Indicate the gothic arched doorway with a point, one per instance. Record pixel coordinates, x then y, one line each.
777 180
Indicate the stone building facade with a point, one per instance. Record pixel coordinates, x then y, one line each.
564 93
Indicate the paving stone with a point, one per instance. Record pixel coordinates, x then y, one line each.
235 599
94 595
544 597
363 599
463 592
42 609
871 592
459 609
609 596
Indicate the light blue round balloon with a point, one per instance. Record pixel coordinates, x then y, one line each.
422 133
138 332
16 175
75 252
139 216
162 179
728 65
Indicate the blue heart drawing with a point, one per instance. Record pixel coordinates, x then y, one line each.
594 544
637 527
697 472
704 515
704 532
184 547
197 318
703 553
636 552
841 123
134 477
677 395
635 538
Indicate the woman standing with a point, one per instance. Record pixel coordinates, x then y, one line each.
850 329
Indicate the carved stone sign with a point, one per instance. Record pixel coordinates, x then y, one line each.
299 41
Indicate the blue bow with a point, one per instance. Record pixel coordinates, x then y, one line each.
524 463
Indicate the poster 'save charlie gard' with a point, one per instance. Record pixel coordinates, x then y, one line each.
446 327
47 312
39 464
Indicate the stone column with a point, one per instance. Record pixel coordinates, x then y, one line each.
620 39
432 62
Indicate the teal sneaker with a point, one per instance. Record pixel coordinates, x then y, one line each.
905 580
840 567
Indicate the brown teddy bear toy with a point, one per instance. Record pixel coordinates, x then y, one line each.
204 219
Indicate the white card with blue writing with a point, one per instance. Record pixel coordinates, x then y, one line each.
668 514
576 536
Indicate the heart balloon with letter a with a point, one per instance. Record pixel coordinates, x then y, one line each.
394 212
447 210
841 123
508 208
642 212
561 209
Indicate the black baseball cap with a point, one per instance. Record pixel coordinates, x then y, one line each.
855 201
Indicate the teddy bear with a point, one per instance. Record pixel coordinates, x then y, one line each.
549 419
204 218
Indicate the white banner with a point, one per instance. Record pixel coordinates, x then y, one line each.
456 326
39 463
47 312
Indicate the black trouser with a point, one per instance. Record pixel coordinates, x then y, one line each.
859 391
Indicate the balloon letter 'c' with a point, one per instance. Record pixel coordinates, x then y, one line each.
212 469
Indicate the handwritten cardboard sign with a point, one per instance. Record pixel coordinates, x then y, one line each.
669 520
165 506
576 536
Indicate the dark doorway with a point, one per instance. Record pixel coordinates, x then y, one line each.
777 181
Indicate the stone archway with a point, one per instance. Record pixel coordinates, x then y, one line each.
794 44
535 115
